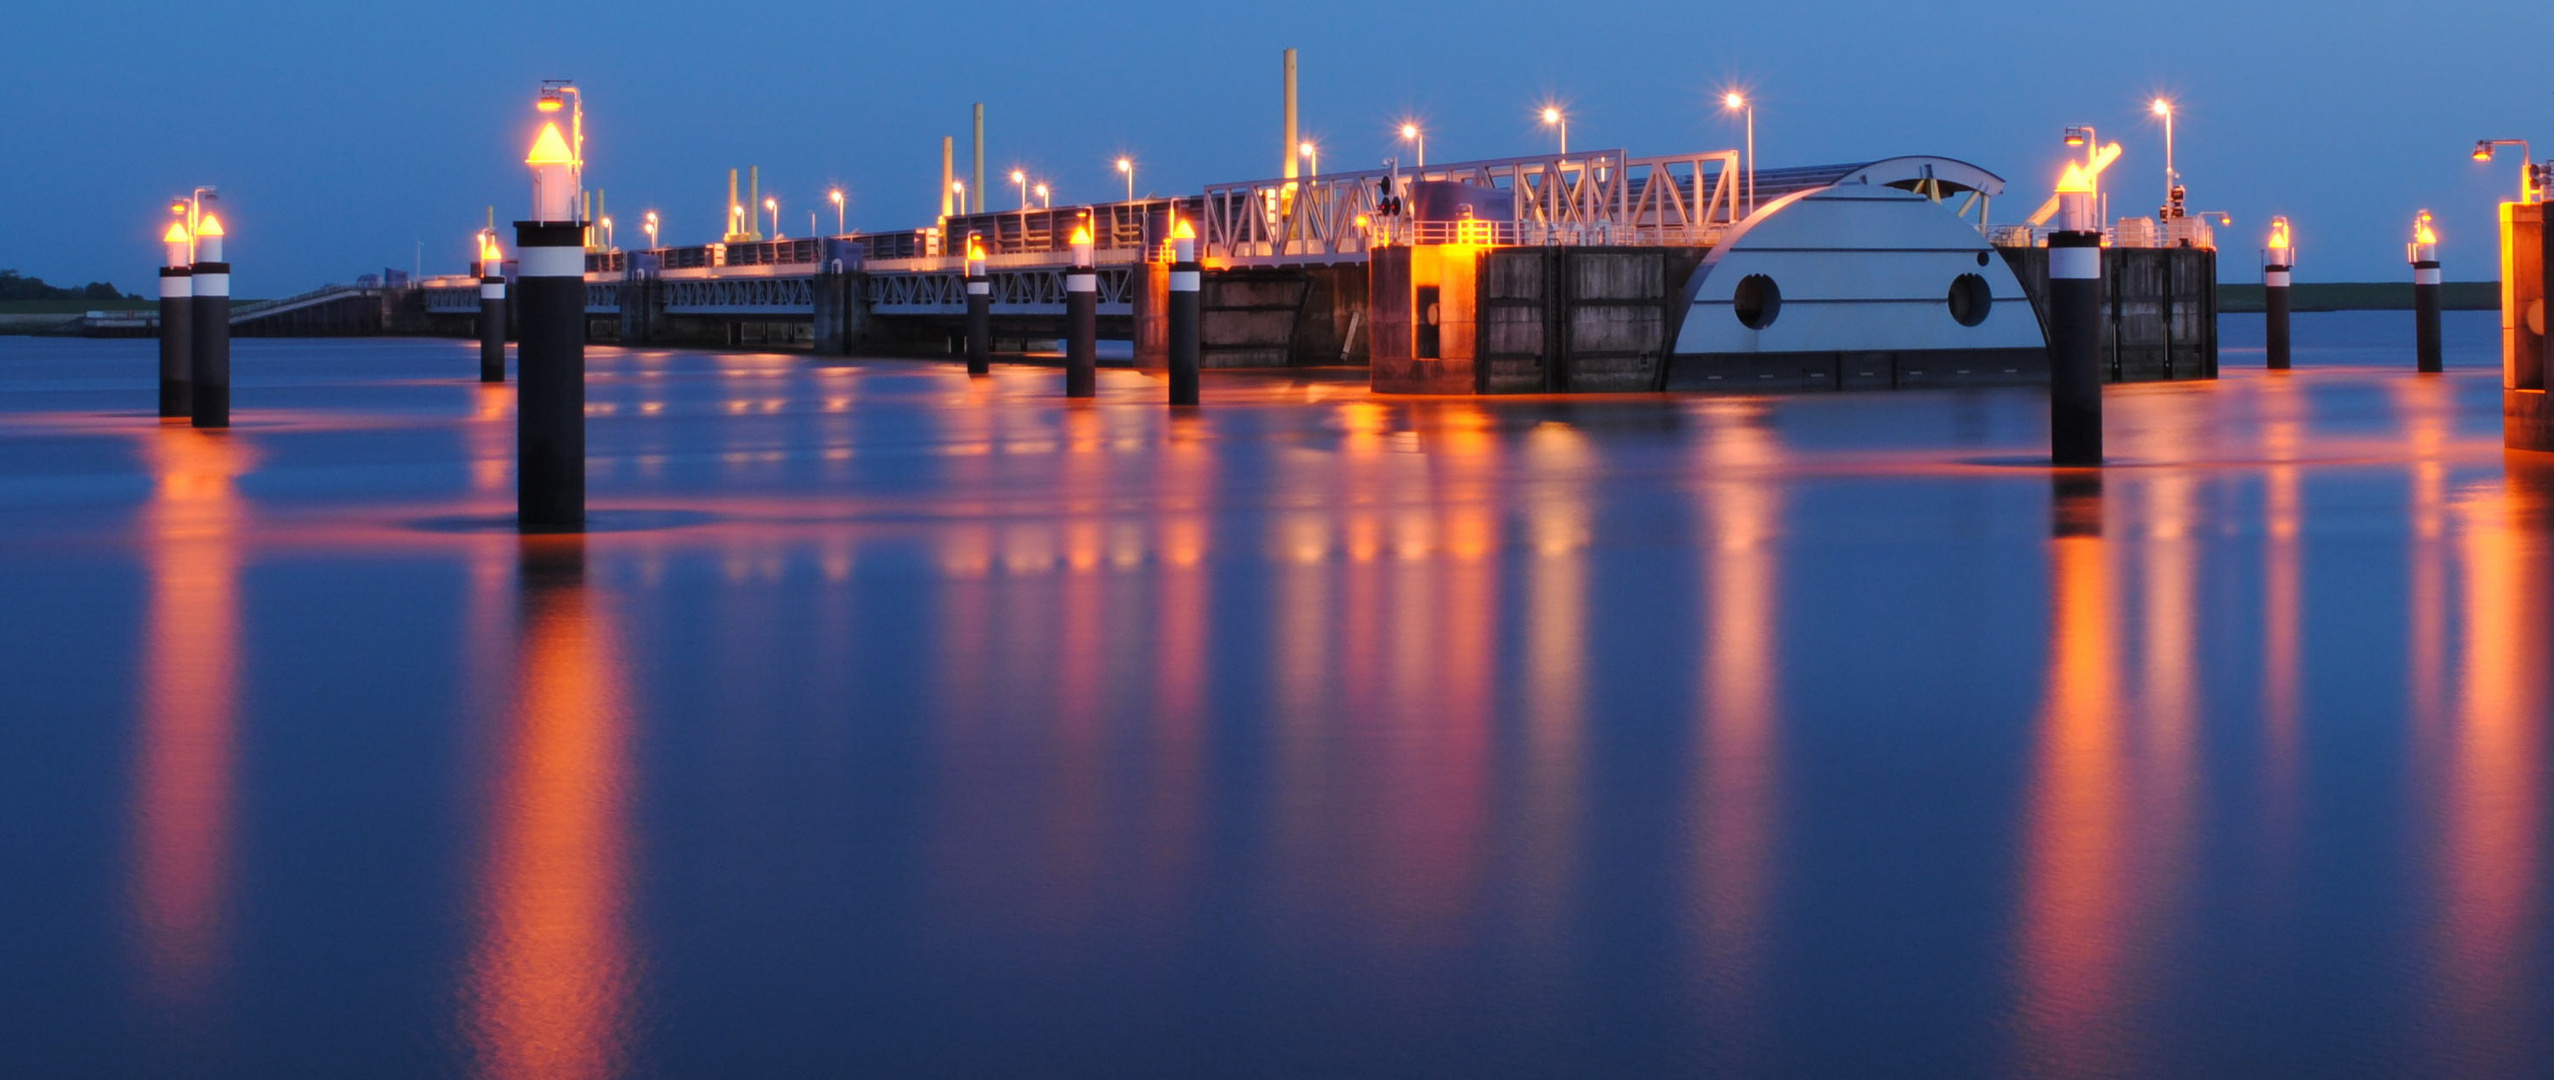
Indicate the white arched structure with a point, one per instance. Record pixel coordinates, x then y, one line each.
1858 275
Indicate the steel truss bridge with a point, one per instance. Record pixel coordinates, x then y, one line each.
1605 197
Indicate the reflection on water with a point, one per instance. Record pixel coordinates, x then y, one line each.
550 981
183 787
1735 789
2075 890
2491 754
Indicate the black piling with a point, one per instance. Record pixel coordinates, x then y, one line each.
1082 321
549 292
2075 348
492 322
209 345
177 350
2425 309
1183 312
2274 306
979 309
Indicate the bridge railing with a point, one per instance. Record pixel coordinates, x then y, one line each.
1604 197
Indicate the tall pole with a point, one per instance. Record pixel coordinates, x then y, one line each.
177 302
1290 142
1183 313
948 173
979 309
550 350
976 174
209 329
1082 319
2423 252
2074 327
491 311
1751 157
2275 268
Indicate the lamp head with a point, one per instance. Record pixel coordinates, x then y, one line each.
1551 115
1126 165
2482 149
2161 107
1733 100
1409 131
2077 136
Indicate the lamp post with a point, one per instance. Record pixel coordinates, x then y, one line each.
2173 193
606 223
1411 134
1312 159
1046 199
2423 254
840 229
209 328
651 230
1020 179
1081 317
2276 264
2075 322
1554 118
177 303
958 189
549 299
1126 166
2528 189
1738 103
491 309
771 205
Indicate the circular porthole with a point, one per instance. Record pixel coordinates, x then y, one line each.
1758 301
1981 258
1970 299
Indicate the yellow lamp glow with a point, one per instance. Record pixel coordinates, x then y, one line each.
1551 115
1124 164
550 148
2161 107
1180 230
210 226
2075 181
2279 234
549 103
176 234
1081 235
2422 233
1733 100
1410 131
2483 152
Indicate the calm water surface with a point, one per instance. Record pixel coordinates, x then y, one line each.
897 724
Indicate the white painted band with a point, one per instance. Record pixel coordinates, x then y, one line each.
1081 283
979 288
550 262
2277 279
2425 275
177 288
492 290
213 285
1184 281
2075 263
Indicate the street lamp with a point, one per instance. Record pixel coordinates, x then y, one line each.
2528 186
1127 166
1737 102
839 227
607 232
1021 180
1045 198
1553 117
1312 154
1411 134
651 230
2173 194
958 189
771 205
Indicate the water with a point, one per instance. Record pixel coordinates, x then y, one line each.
893 724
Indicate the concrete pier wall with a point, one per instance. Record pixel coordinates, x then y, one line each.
2527 252
2159 305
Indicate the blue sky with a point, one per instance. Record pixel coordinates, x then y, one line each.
344 134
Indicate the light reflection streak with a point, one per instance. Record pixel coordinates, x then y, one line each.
2077 879
1734 805
2283 433
2490 858
188 737
551 979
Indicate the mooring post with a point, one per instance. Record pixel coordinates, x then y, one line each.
2423 253
209 329
1183 313
177 300
2075 325
2276 264
979 309
491 311
549 296
1082 318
